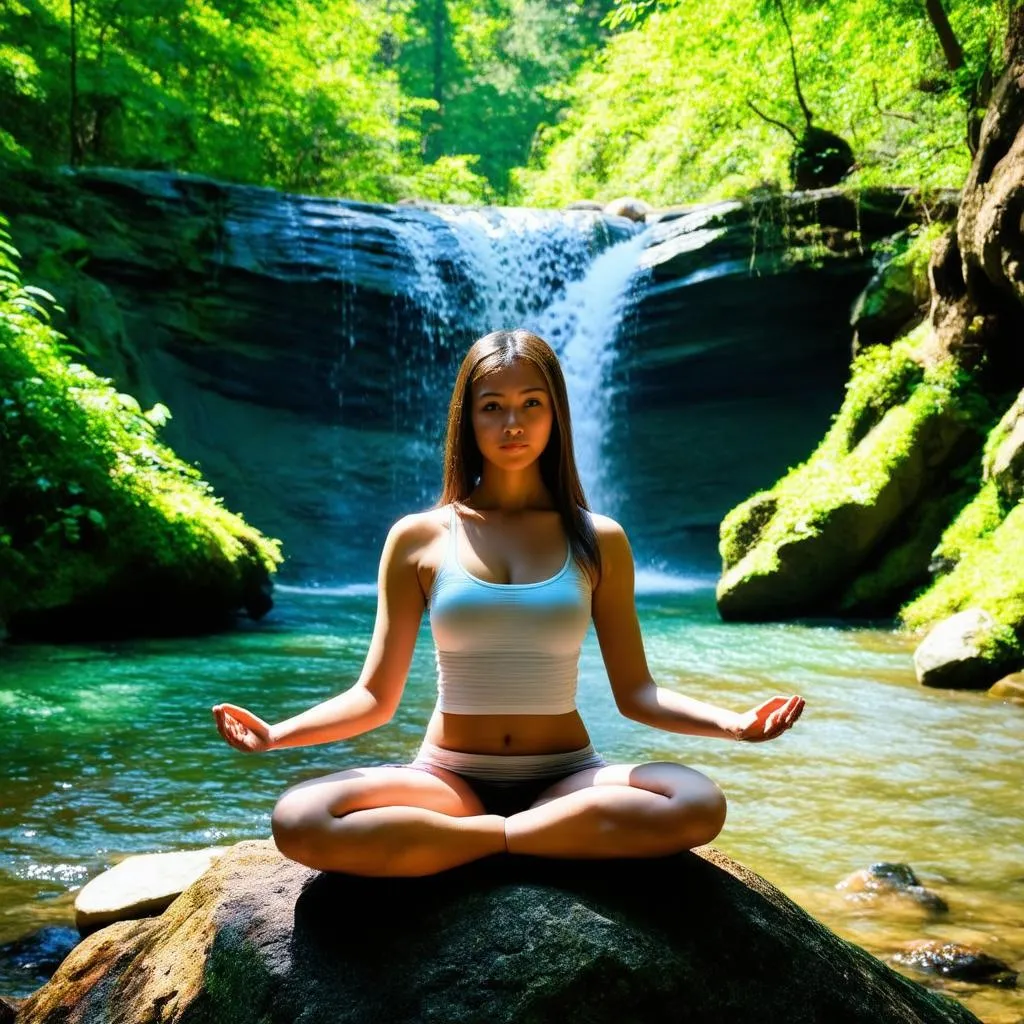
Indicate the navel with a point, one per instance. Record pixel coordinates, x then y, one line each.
508 739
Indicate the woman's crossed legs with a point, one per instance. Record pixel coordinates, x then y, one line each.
393 821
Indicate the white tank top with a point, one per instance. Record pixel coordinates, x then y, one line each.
507 648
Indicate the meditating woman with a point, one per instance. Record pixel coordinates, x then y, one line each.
511 567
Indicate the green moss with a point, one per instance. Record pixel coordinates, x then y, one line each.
911 250
91 502
876 428
237 983
981 556
977 519
988 575
903 567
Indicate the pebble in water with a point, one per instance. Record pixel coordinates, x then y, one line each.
958 962
885 879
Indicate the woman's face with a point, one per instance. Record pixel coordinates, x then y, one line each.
512 415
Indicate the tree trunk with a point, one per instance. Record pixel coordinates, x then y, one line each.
74 145
439 41
977 270
947 37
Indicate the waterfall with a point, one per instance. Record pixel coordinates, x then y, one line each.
561 275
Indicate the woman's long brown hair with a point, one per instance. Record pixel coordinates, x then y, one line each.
463 462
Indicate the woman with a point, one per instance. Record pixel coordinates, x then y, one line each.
512 568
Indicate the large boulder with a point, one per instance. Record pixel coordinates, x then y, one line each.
695 938
788 554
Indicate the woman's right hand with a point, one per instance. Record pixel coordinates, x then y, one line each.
242 729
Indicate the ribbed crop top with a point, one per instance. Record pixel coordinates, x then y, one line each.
507 648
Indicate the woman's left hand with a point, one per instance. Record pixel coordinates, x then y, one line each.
768 720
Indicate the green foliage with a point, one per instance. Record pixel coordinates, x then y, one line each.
322 96
89 496
497 69
977 519
452 99
664 112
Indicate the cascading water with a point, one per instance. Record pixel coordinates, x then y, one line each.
561 275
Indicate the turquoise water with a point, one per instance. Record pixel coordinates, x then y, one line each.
110 749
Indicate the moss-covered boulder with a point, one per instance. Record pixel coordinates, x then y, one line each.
693 937
843 515
103 530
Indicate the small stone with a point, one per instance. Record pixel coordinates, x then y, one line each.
1010 687
628 207
890 880
957 962
950 655
140 886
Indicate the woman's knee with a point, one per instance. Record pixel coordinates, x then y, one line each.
700 812
293 824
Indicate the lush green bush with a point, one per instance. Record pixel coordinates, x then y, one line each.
91 502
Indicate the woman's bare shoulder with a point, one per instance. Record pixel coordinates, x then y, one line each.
418 529
616 554
606 528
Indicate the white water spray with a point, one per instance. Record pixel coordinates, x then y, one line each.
546 271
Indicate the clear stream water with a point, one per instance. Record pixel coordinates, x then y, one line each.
109 749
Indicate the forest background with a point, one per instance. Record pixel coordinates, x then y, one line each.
530 102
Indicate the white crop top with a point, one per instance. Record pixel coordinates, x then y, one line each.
507 648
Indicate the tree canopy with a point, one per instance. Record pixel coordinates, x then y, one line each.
665 112
528 101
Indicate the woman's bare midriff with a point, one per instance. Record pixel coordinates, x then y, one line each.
507 734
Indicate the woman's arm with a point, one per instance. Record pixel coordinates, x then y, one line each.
637 696
373 699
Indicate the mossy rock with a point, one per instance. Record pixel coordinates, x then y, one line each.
104 531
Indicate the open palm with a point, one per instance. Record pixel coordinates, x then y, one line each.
770 719
242 729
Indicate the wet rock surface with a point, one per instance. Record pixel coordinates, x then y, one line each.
888 880
958 962
30 961
508 939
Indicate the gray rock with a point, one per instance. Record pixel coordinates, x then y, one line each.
951 655
629 207
955 961
692 937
